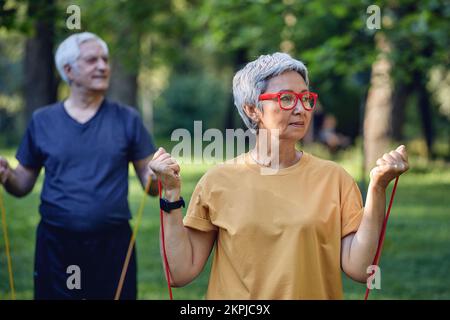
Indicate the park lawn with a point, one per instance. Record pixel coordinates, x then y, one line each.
414 264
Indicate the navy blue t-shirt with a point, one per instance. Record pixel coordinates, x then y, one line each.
86 165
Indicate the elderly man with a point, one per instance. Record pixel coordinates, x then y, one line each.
85 144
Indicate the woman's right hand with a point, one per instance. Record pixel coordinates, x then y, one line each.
5 170
166 169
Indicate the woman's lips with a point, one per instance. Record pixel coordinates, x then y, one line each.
297 124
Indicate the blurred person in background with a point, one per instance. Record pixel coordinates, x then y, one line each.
330 137
85 143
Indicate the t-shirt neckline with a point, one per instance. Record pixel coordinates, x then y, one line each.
79 124
252 164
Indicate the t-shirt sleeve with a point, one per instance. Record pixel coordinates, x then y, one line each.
141 142
198 212
352 209
29 154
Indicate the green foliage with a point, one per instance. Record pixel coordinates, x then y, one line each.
7 15
419 32
127 27
221 35
330 39
191 97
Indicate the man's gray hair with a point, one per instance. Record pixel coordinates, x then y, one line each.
69 50
251 81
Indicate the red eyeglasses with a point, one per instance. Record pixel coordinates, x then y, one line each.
287 100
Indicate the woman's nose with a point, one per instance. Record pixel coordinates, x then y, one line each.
298 107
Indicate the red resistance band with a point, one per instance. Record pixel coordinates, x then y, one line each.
376 260
166 262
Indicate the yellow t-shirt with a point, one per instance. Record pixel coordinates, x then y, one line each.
279 236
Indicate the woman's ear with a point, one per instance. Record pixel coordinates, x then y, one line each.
253 113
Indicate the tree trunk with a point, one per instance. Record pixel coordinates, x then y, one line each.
378 106
230 112
125 67
123 87
39 73
425 111
401 93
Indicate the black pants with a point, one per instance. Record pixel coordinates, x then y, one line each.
74 265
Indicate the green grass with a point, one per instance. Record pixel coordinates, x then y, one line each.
414 264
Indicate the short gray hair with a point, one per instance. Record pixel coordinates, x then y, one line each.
251 81
69 50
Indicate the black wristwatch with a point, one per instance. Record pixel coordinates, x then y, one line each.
168 206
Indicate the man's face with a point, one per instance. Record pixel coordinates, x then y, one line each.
91 70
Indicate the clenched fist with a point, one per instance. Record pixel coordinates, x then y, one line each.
166 169
390 166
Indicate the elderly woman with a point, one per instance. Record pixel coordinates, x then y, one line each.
284 235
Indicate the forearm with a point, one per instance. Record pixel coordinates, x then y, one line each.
16 185
359 249
153 191
177 244
365 241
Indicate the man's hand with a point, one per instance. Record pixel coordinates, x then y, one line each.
390 166
5 170
166 169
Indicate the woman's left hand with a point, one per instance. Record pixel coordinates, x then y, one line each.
390 166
